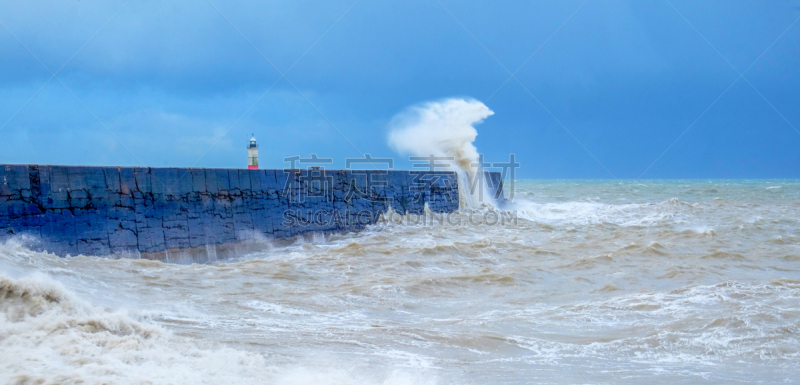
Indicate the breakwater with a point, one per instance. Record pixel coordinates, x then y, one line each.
196 215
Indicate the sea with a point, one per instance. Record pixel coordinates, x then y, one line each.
575 282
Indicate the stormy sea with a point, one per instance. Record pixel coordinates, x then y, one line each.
680 281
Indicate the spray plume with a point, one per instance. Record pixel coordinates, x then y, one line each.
442 128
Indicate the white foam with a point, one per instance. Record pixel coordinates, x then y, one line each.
49 335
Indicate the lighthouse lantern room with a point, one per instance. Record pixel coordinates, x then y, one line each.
252 154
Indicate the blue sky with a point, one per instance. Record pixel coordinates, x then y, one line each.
623 89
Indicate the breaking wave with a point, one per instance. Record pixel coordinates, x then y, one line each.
49 336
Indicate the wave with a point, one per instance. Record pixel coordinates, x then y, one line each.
49 336
672 211
695 324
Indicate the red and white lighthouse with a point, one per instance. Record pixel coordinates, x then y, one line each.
252 154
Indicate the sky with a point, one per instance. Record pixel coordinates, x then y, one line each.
579 88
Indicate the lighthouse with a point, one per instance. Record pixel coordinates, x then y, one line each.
252 154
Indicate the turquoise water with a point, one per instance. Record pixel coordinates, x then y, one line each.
680 281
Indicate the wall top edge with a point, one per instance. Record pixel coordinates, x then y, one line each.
209 168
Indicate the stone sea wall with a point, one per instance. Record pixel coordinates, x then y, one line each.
195 215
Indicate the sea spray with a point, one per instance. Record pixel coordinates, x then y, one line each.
444 128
